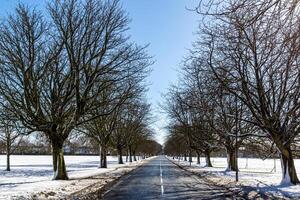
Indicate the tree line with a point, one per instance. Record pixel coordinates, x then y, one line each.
240 84
72 70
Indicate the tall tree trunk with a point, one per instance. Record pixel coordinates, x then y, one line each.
130 153
289 174
120 159
207 158
198 158
8 155
8 161
126 155
103 160
59 166
99 155
190 156
185 157
231 159
134 156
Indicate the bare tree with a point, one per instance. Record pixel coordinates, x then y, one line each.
101 128
118 98
136 118
253 49
150 147
54 68
176 144
11 137
119 138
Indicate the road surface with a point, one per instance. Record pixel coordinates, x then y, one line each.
162 179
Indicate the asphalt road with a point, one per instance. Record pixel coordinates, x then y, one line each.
161 179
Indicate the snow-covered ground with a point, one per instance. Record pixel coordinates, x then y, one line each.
264 175
32 174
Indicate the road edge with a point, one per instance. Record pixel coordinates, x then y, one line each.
233 190
202 176
100 192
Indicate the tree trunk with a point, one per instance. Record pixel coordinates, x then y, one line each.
59 166
99 155
190 156
231 160
120 160
289 174
7 161
185 157
130 154
8 155
207 158
134 156
103 160
126 155
198 158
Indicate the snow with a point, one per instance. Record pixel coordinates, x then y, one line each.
33 174
262 175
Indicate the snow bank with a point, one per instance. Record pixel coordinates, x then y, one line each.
32 174
263 175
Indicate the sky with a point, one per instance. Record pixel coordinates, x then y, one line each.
167 26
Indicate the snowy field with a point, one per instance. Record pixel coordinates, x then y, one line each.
265 175
34 173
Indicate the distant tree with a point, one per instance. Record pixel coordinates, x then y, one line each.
150 147
136 120
100 130
119 138
11 137
175 144
116 97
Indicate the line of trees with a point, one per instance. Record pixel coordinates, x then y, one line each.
73 69
240 83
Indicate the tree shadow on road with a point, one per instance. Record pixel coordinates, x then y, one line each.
261 192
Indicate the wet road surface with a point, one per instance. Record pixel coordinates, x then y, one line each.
162 179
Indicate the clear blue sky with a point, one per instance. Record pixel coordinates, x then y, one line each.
167 26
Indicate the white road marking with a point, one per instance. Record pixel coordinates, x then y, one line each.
161 179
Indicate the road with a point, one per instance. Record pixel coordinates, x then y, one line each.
162 179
